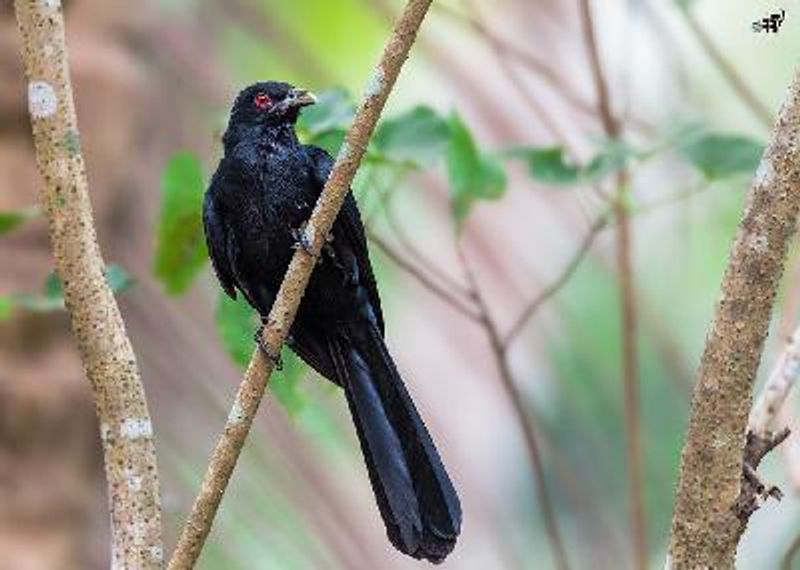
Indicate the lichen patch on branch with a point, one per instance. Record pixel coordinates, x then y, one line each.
42 100
136 428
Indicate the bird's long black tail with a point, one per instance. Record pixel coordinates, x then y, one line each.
416 499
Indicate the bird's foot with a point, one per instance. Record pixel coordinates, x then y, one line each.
276 360
302 239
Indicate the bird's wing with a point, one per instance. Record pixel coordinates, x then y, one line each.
350 224
221 243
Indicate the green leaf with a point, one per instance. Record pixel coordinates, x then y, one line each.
472 174
330 140
118 279
286 385
236 324
180 243
6 306
52 296
614 156
333 110
52 286
418 136
13 218
721 155
548 165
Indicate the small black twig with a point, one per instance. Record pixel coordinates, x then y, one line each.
754 491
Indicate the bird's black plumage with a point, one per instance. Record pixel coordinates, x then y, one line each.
264 190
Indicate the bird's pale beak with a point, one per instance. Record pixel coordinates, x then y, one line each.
300 98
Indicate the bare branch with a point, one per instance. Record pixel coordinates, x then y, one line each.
705 526
126 431
451 299
291 292
523 417
414 251
545 294
509 50
791 552
780 382
630 375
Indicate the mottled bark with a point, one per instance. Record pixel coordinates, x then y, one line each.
125 428
706 526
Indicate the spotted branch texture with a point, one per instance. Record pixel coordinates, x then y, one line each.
294 284
125 428
706 527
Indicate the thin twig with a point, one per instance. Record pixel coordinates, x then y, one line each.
286 303
416 254
630 373
781 380
126 432
739 85
630 376
791 552
448 297
510 50
523 417
545 294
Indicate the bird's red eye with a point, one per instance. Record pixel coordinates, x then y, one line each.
262 101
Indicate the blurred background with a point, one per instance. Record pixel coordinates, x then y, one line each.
543 175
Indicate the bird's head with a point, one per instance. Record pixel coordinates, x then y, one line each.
270 102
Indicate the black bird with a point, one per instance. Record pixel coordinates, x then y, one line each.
263 191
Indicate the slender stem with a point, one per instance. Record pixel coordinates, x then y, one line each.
419 256
126 432
545 294
286 303
628 318
630 376
528 59
461 306
729 72
781 380
791 553
523 417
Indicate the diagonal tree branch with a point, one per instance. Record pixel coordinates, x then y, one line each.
706 527
284 309
125 428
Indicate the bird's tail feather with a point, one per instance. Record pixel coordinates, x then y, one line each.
415 496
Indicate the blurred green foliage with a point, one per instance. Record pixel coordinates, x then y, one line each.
51 297
418 137
13 218
180 243
720 155
236 323
473 175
